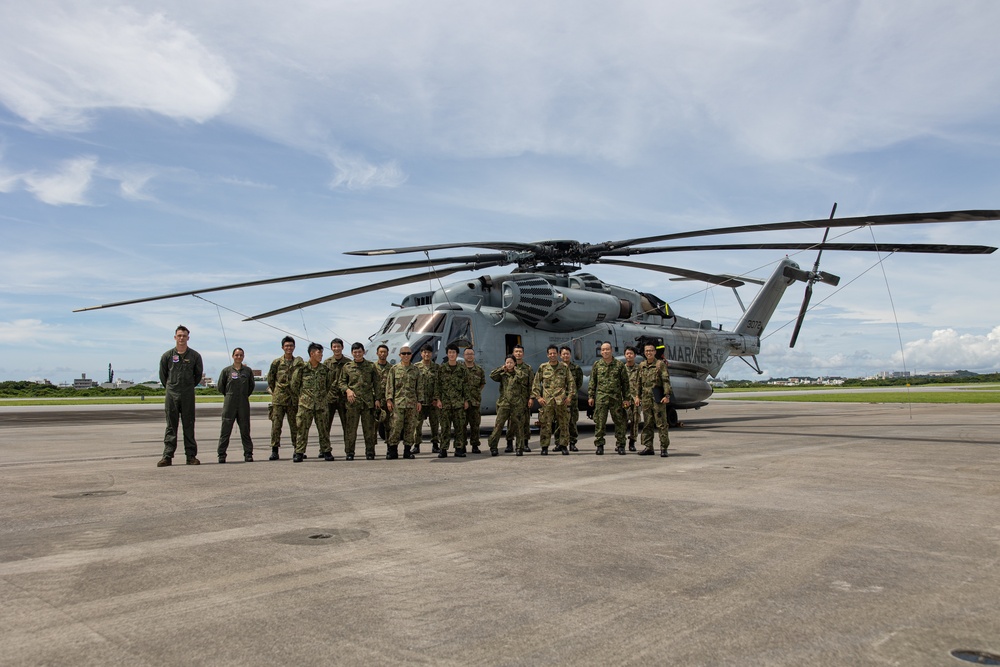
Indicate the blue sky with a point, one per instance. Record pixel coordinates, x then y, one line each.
158 147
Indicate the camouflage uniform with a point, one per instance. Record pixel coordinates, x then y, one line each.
338 402
511 404
525 368
609 388
574 406
650 376
554 383
283 401
453 392
312 386
382 414
633 414
361 378
428 410
473 417
403 386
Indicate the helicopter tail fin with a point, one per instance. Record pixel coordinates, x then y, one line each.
764 304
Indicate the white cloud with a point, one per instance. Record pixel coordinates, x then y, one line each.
948 349
62 61
353 172
67 185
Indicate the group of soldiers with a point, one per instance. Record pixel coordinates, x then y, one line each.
395 400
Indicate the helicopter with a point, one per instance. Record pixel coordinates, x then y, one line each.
548 300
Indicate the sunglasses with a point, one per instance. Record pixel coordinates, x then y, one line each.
406 354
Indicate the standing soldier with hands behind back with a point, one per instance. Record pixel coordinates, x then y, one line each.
608 391
283 402
403 388
453 400
181 370
312 385
236 383
553 387
358 383
654 382
477 381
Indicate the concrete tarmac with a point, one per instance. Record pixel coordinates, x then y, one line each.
774 534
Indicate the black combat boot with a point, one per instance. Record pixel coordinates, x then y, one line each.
274 454
297 458
600 450
248 458
573 448
392 453
434 448
510 447
442 453
460 452
545 451
475 449
407 452
648 451
494 451
663 453
631 444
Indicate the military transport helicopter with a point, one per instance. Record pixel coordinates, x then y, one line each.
547 299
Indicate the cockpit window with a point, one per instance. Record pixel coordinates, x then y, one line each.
430 323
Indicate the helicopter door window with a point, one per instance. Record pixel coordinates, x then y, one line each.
461 332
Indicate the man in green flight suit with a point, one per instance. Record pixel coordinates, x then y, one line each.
452 400
283 402
608 391
654 381
553 388
311 383
359 384
181 370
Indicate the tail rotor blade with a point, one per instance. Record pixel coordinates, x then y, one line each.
802 315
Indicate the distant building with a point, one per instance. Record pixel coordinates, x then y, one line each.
84 382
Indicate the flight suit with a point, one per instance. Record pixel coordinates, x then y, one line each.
236 385
609 388
453 392
312 386
283 402
361 378
555 384
179 375
651 376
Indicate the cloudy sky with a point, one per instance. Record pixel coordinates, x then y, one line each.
159 147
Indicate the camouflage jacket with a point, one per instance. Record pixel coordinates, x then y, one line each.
312 386
554 383
608 381
429 388
514 388
382 370
361 378
336 368
477 380
633 379
577 373
404 386
279 380
653 375
452 385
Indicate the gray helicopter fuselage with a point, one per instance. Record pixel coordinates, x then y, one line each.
493 313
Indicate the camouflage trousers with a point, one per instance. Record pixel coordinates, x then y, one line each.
336 409
280 413
550 414
656 417
303 420
473 421
574 418
602 406
452 425
431 414
633 415
366 417
513 417
403 423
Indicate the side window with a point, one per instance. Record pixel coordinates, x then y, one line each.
461 332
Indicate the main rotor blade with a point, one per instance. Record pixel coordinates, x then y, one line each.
802 314
860 221
724 281
491 245
395 266
940 248
377 286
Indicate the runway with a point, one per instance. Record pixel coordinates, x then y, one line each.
775 534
